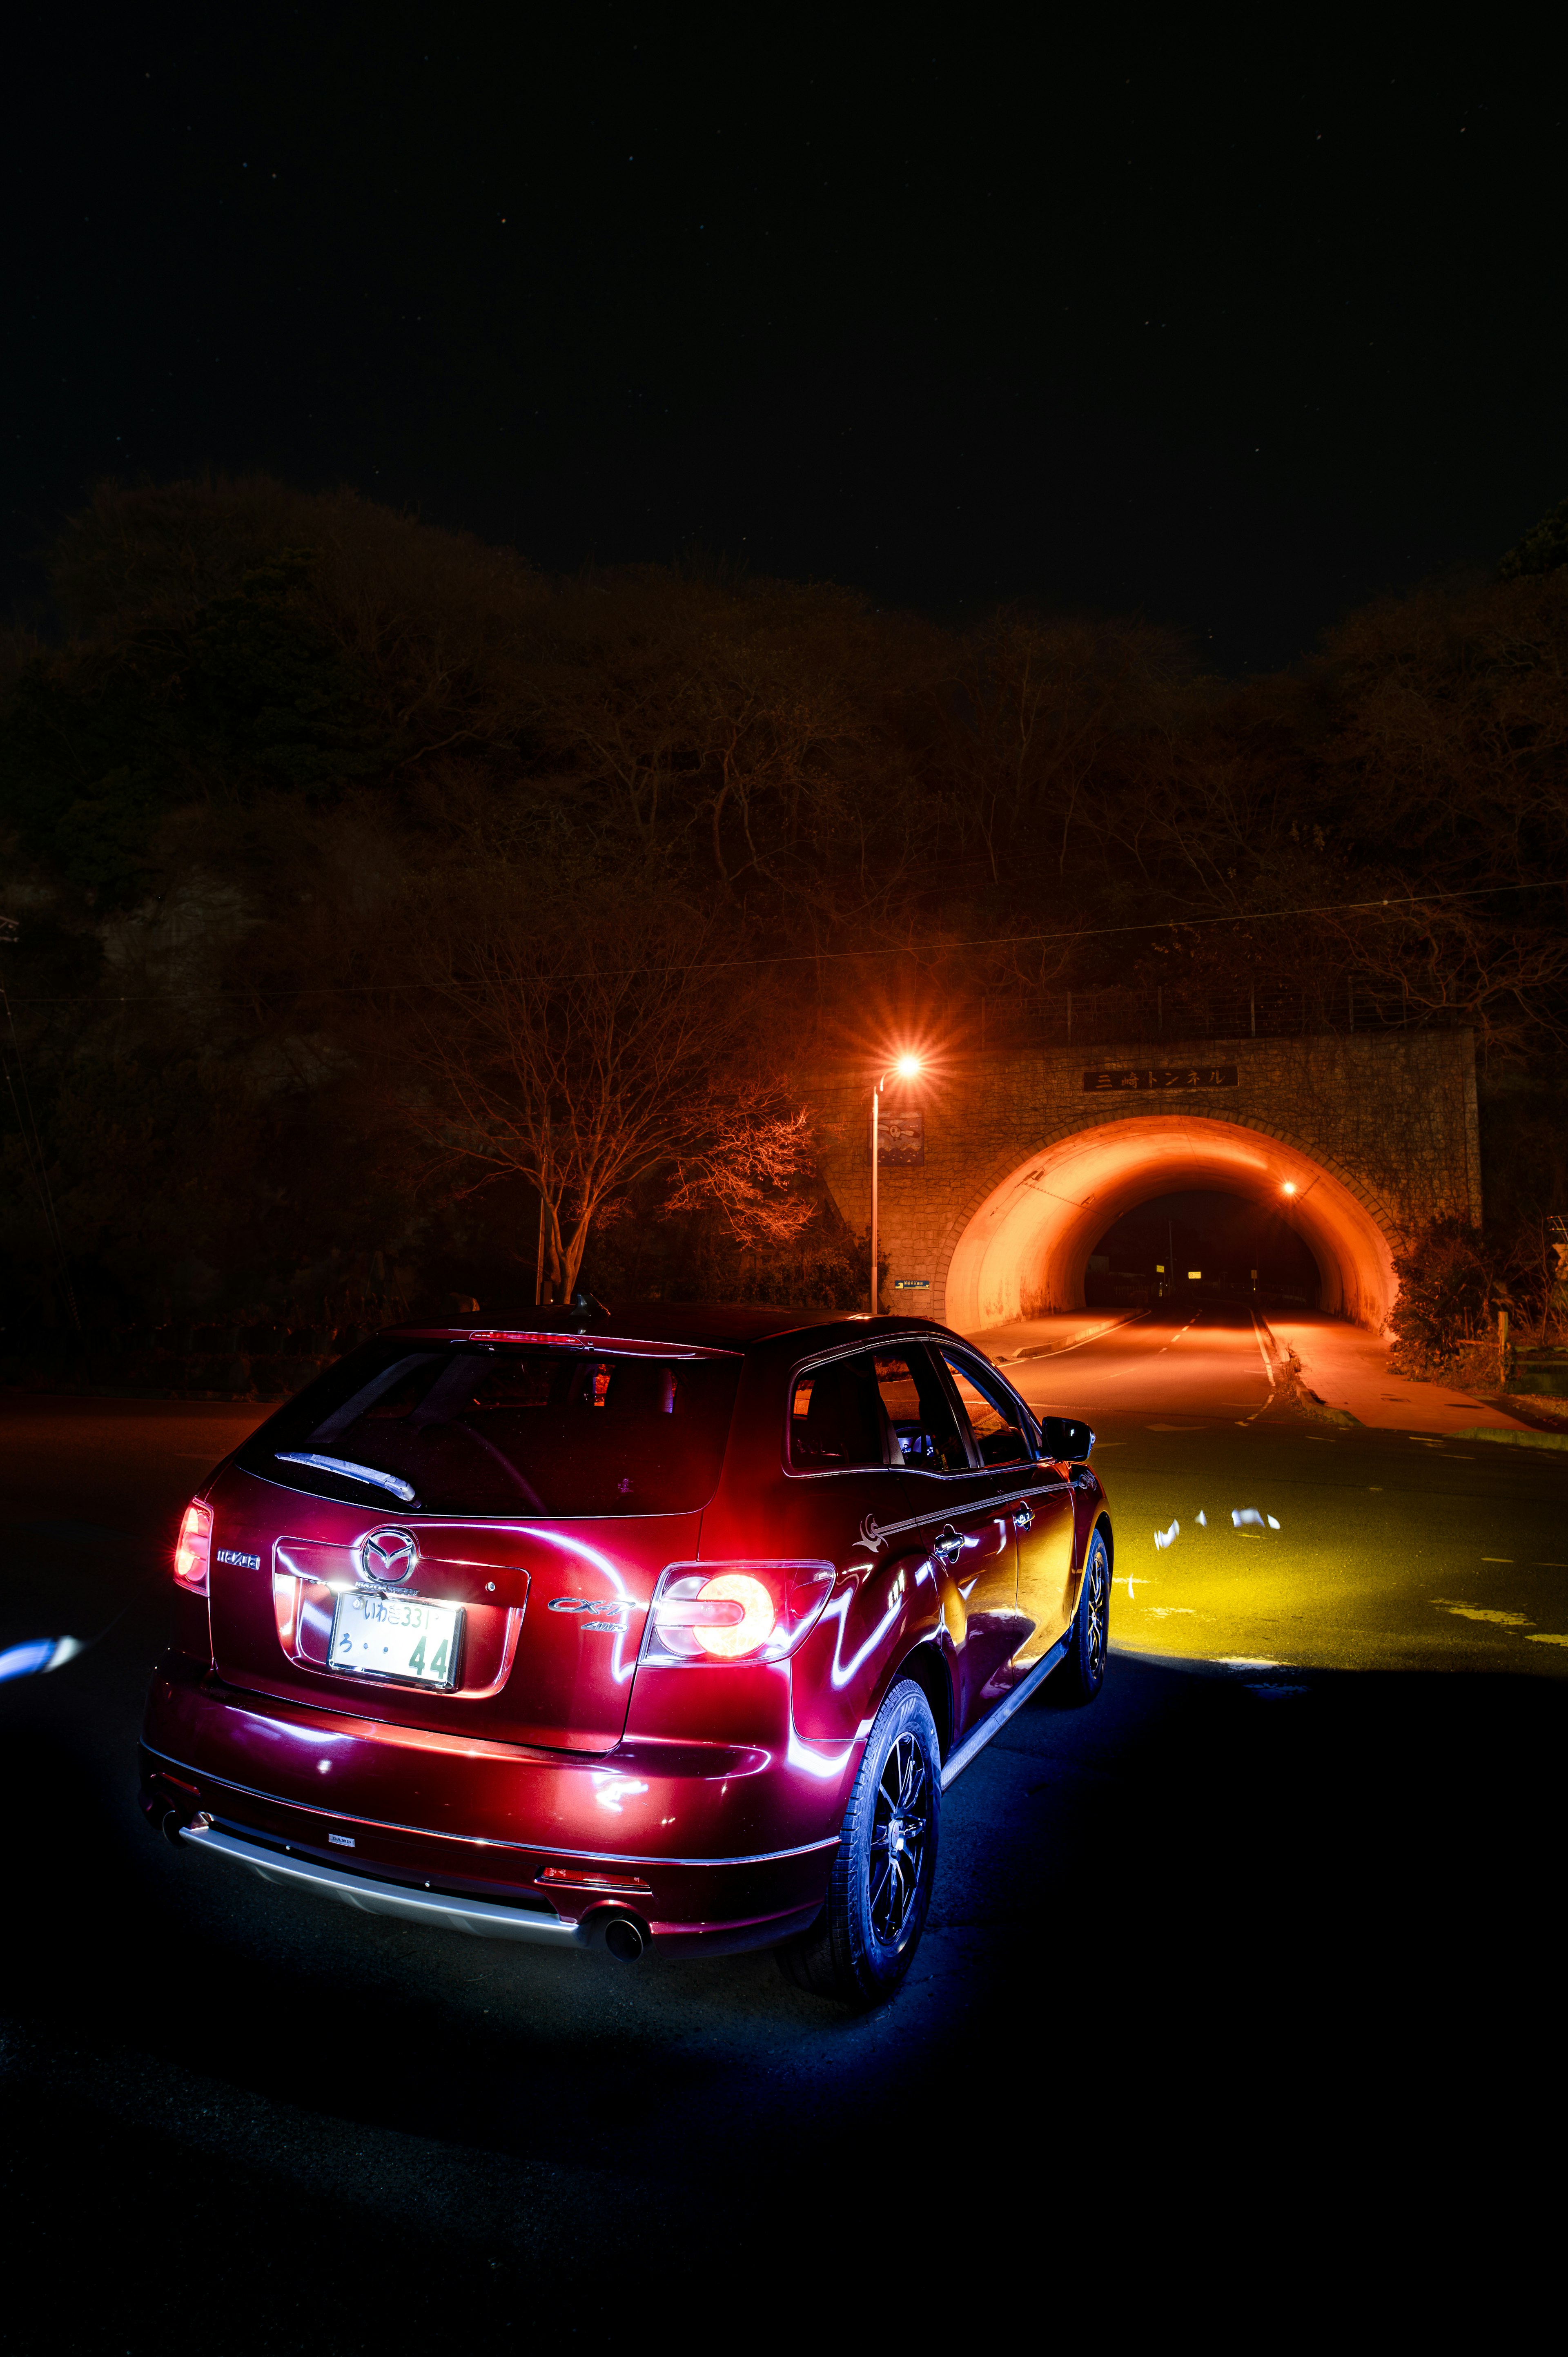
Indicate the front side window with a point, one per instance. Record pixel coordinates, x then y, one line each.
919 1411
995 1416
457 1429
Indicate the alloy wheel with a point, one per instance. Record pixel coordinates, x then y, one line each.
1093 1607
900 1831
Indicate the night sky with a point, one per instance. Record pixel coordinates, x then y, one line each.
1152 319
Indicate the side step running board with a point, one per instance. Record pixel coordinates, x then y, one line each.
975 1742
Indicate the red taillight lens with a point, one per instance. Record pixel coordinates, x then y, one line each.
759 1615
194 1552
735 1612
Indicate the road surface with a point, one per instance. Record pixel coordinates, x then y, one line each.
1181 1944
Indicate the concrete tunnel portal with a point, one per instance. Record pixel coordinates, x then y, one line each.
1024 1250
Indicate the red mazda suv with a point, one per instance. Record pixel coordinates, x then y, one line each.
663 1630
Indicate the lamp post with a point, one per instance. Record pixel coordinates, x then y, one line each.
906 1067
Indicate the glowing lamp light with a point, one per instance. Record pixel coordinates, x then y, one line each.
193 1549
1289 1187
755 1625
908 1067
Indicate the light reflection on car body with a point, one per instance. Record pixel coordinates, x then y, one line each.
589 1737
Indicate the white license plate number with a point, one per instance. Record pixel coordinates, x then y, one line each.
397 1637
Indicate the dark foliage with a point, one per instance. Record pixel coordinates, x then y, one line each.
1544 548
293 753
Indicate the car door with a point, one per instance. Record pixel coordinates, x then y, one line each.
844 1500
965 1523
1032 1491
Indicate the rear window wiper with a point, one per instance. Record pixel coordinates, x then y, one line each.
349 1471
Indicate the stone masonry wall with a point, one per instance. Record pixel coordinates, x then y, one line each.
1392 1115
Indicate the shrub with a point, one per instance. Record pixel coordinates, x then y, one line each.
1451 1288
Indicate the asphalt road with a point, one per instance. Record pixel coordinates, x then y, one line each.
1396 1549
1221 1974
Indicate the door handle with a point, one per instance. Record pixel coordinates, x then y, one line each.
949 1544
1024 1517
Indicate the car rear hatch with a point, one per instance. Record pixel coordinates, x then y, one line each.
457 1533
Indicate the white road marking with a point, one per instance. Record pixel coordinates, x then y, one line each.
1480 1612
1258 1333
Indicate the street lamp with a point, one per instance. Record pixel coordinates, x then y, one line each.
907 1068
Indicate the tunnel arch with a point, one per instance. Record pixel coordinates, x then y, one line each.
1021 1246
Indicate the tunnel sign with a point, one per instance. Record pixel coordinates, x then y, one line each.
1161 1076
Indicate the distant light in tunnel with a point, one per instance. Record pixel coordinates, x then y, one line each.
1289 1187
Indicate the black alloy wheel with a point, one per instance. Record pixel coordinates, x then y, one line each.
901 1828
863 1942
1082 1672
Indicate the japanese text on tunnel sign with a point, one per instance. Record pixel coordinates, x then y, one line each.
1161 1076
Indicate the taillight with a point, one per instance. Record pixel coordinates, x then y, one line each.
734 1611
193 1552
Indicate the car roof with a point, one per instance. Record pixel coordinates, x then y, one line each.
722 1326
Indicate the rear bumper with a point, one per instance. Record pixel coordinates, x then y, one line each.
488 1839
438 1911
433 1909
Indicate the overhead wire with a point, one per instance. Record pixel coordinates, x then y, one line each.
810 957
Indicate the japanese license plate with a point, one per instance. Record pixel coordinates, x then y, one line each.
397 1637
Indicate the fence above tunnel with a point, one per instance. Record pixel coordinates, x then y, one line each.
1338 1007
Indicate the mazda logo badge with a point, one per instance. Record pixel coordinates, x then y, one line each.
388 1556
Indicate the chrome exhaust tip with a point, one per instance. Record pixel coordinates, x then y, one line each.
617 1930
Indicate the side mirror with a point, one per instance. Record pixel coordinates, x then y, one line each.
1066 1438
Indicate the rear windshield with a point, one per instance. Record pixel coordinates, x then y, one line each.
467 1430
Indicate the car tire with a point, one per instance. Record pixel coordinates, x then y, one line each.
862 1944
1082 1671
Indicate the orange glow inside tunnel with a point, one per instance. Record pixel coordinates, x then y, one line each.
1025 1250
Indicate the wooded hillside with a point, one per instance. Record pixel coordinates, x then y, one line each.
321 823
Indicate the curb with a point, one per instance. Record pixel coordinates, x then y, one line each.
1057 1349
1297 1391
1514 1439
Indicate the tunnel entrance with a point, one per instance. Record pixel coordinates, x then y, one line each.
1202 1245
1025 1250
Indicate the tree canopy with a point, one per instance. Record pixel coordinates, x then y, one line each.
301 794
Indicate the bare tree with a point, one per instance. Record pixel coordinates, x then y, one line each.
583 1047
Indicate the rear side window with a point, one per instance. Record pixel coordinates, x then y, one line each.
834 1421
995 1416
506 1431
